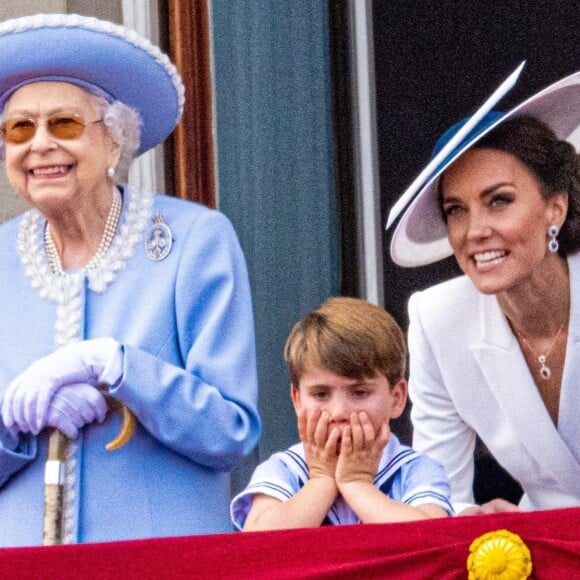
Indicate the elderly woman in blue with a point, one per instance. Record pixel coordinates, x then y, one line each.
112 295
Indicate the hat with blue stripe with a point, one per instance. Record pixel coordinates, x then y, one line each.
420 236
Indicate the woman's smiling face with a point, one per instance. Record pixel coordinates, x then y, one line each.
497 219
48 171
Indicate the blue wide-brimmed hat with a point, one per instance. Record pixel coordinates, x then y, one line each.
94 54
420 236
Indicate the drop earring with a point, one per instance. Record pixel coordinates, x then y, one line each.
553 244
110 172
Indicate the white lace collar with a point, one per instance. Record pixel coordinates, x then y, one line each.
64 288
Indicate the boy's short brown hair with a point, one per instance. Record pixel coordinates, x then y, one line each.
350 337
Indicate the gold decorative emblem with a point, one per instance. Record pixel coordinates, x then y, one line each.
499 555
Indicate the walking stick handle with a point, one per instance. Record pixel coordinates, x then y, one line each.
55 473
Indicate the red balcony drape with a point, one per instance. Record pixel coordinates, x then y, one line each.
435 549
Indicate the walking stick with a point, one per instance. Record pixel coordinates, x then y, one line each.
55 474
54 488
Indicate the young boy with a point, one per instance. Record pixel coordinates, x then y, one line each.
347 363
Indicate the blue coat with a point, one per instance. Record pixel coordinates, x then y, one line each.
186 325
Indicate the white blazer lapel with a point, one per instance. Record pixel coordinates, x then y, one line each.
569 417
510 381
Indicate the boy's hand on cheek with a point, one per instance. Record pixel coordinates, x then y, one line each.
360 450
320 442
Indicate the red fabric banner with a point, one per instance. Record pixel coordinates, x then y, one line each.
434 549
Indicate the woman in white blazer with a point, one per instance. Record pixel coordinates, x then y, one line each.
496 353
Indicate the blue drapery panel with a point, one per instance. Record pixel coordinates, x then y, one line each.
276 178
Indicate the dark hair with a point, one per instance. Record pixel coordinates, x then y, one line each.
554 163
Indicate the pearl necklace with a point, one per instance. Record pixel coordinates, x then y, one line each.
545 371
104 245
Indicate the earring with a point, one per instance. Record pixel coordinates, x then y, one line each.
553 244
111 172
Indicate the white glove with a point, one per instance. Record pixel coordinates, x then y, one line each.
74 406
97 361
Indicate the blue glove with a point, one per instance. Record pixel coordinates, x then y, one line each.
74 406
96 362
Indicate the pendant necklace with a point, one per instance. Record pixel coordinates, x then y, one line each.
545 371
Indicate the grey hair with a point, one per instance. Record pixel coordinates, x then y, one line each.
124 126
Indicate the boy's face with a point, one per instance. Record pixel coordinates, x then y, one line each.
340 396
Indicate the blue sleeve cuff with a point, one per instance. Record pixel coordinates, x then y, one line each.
15 453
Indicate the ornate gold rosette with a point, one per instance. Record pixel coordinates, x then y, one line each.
499 555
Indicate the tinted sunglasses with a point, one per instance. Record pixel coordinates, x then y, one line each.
61 125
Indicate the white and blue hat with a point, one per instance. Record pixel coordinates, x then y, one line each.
420 236
98 55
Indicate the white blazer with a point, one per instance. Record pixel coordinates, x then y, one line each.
468 376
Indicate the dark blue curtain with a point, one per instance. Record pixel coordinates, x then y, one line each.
276 179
